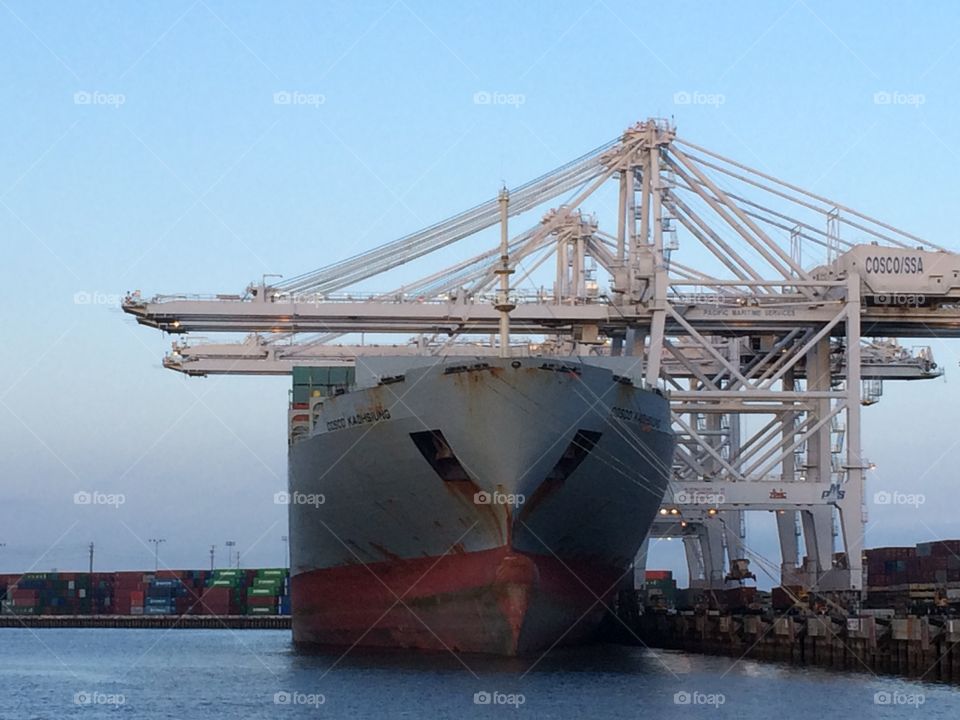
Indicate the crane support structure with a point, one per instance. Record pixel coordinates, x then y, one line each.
767 313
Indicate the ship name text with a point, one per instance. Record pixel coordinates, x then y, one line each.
631 415
363 417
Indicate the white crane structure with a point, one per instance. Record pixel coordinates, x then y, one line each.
766 312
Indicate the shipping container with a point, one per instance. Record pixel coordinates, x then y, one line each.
785 597
224 591
273 572
658 575
158 610
262 591
261 610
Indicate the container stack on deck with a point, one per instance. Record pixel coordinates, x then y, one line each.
166 592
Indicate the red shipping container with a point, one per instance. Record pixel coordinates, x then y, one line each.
217 605
25 597
218 593
659 575
892 553
171 574
198 608
739 597
945 548
215 609
128 580
218 601
914 573
782 598
262 600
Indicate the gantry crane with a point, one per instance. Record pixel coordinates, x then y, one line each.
783 306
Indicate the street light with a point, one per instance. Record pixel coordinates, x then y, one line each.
231 544
286 549
156 551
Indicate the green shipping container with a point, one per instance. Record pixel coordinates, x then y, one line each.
262 592
267 583
322 379
272 572
228 573
261 611
225 582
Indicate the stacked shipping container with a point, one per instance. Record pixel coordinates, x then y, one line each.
263 596
661 588
167 592
56 593
902 576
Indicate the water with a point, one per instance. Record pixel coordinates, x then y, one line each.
251 674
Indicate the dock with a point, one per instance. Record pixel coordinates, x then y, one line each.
926 648
164 622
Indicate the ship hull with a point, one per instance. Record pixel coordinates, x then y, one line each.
485 508
493 601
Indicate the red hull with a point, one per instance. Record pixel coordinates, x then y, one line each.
495 601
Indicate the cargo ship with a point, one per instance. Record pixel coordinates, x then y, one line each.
488 505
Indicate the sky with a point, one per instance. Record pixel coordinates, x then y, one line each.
148 146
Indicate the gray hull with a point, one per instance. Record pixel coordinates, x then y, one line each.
545 473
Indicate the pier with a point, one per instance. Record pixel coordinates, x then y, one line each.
163 622
926 648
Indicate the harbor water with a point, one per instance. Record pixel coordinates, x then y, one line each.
153 674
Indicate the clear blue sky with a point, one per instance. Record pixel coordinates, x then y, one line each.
181 173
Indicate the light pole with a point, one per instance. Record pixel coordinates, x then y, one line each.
286 550
156 551
231 544
213 552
